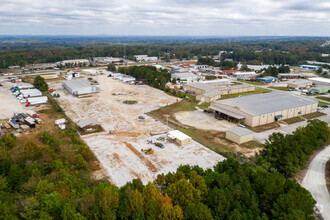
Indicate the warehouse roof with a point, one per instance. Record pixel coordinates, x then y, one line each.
183 75
227 112
239 131
320 79
212 93
77 84
266 102
209 85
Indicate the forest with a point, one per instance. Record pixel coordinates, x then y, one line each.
291 51
51 178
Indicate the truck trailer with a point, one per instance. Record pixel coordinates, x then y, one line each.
30 122
36 100
26 93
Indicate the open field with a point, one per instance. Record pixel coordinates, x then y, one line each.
120 152
256 91
313 115
253 82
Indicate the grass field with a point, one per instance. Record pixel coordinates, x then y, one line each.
257 91
313 115
323 98
253 82
293 120
279 88
322 103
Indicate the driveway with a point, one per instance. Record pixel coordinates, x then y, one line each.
315 183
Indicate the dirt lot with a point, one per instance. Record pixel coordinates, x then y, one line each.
202 120
120 153
9 104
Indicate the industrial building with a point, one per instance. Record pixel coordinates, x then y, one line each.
78 87
145 58
205 86
319 89
220 91
185 77
179 138
266 79
260 109
320 81
309 67
239 135
299 84
244 75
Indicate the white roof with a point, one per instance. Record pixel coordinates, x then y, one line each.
320 79
178 135
60 121
239 131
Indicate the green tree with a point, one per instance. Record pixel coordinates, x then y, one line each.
136 200
182 193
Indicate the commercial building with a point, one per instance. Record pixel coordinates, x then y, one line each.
244 75
185 77
239 135
260 109
78 87
319 89
77 61
179 138
320 81
266 79
220 91
198 88
300 84
145 58
309 67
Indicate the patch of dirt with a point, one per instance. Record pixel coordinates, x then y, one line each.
146 161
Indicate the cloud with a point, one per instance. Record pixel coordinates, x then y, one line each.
165 17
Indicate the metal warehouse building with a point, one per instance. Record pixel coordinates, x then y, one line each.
300 84
239 135
78 87
260 109
320 81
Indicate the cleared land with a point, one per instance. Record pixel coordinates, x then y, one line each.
120 152
9 104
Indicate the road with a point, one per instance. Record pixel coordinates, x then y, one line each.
315 183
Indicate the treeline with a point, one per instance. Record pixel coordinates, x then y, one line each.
291 52
224 65
149 74
53 180
288 154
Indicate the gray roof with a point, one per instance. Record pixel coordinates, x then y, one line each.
208 85
240 131
77 83
267 102
227 112
183 75
87 122
299 82
212 93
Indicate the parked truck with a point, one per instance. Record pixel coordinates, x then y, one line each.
13 123
30 122
36 101
26 93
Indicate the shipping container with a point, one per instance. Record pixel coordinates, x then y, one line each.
30 122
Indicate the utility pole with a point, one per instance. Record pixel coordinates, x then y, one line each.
166 116
4 64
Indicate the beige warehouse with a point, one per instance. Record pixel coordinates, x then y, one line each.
300 84
265 108
179 138
239 135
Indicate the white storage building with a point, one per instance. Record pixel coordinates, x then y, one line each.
79 87
320 81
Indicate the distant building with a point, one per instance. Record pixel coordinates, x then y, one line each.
184 77
266 79
300 84
320 81
145 58
179 138
309 67
319 89
198 88
75 62
244 75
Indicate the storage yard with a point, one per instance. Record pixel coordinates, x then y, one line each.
117 107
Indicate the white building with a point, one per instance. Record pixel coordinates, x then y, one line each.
77 61
320 81
145 58
201 66
244 75
185 77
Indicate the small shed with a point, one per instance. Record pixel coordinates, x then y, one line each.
239 135
180 138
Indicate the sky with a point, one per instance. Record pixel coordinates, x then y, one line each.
166 17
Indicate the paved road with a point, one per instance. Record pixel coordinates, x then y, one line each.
315 183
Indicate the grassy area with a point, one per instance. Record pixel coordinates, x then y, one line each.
252 144
293 120
236 83
322 103
256 91
204 105
262 128
253 82
323 98
313 115
210 77
280 88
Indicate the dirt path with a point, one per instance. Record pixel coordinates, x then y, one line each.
315 183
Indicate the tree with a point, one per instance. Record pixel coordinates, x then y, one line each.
319 71
182 193
135 200
40 83
111 67
168 212
150 192
244 67
196 212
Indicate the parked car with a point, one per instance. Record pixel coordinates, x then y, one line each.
159 145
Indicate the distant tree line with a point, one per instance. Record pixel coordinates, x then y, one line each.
224 65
